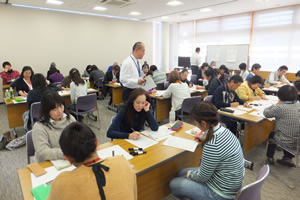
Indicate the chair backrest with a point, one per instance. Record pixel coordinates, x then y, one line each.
208 98
29 146
160 86
188 104
100 83
194 79
253 190
166 85
167 75
85 103
35 111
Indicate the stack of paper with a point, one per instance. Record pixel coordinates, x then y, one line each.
160 93
60 164
115 150
181 143
143 142
160 134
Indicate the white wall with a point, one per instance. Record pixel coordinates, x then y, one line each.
37 38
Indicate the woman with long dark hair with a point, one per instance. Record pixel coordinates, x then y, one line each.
78 87
23 83
132 116
46 132
221 171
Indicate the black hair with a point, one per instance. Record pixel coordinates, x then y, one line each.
116 68
297 74
145 65
78 141
137 45
25 68
39 81
255 66
130 109
5 63
209 73
93 67
75 76
153 68
149 73
50 100
256 79
184 70
206 111
205 64
197 49
297 85
52 70
224 68
283 67
236 79
243 66
287 93
88 68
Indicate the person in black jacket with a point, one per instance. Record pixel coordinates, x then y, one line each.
23 83
213 82
225 96
204 68
111 77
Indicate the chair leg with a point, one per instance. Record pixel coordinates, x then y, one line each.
98 118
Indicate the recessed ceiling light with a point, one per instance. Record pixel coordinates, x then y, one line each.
205 10
135 13
99 8
261 0
54 2
165 17
174 3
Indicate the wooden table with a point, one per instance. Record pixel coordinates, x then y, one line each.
16 110
117 91
154 169
257 129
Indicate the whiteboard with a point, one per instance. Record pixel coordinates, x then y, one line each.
229 55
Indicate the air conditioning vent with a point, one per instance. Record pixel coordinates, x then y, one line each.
116 3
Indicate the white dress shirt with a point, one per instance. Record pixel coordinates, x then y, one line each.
244 74
129 74
274 78
195 59
179 92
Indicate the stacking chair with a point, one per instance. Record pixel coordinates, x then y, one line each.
194 79
166 85
188 104
35 112
29 146
252 191
208 98
160 86
85 105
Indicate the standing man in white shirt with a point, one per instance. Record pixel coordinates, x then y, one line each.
195 61
130 75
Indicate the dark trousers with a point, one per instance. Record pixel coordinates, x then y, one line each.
271 149
194 69
126 93
230 124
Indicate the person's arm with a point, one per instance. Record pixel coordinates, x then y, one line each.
272 111
237 99
72 92
259 92
43 151
114 130
168 92
107 78
242 93
212 86
218 99
272 79
21 87
151 121
284 79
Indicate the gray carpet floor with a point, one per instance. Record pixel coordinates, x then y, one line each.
273 188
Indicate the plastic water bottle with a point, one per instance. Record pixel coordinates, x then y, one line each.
7 95
172 116
11 93
88 84
205 82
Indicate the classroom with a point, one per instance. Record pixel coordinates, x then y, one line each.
201 43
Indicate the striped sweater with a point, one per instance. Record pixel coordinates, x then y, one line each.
222 165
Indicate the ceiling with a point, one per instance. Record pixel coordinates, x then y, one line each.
154 10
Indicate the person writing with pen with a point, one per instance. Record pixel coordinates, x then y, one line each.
23 84
132 116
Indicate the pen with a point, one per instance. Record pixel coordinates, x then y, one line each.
135 149
137 152
113 153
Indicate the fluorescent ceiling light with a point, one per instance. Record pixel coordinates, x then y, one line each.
205 10
99 8
261 0
54 2
135 13
165 17
174 3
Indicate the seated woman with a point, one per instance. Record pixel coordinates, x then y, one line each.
94 178
23 83
132 116
178 90
145 69
221 174
298 75
200 73
249 90
55 76
213 82
46 132
286 113
225 75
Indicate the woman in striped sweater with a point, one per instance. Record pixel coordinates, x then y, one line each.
221 171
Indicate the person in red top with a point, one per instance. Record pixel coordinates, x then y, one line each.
8 75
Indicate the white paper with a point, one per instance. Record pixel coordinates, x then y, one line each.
144 142
236 111
260 113
149 83
272 89
160 134
160 93
60 163
192 131
91 90
118 151
181 143
51 174
117 84
64 92
241 107
231 55
193 89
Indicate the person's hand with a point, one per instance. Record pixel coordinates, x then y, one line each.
264 97
267 86
190 85
184 176
199 87
279 102
6 70
198 136
247 105
47 82
153 91
141 81
134 135
113 82
146 107
256 98
285 82
234 104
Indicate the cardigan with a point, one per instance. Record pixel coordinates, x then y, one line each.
120 128
287 127
21 85
244 91
81 182
222 164
179 92
77 91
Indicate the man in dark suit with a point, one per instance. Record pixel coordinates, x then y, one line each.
111 77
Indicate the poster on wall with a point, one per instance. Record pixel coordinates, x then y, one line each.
231 55
216 56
